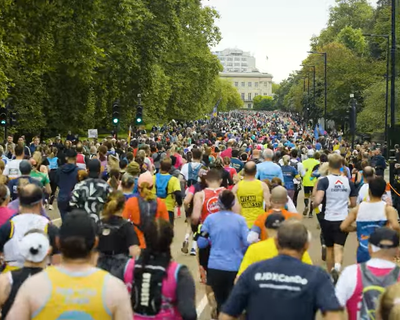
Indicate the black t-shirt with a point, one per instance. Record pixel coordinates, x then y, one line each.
282 288
121 240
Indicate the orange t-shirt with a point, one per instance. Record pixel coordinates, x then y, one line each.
132 213
260 221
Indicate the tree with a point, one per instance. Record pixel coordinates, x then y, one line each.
227 95
263 103
275 87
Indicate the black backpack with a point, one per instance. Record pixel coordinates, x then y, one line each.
148 211
146 295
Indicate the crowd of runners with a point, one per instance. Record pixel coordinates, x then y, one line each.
236 178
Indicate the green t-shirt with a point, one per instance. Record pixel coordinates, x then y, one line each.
40 176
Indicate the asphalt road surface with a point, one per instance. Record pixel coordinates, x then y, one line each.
191 262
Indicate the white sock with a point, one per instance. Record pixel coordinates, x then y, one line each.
338 267
194 245
187 237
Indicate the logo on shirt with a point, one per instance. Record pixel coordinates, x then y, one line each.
339 182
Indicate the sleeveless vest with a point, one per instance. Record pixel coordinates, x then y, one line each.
210 203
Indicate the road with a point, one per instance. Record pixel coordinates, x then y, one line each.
191 262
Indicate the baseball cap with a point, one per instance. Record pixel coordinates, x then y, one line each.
94 168
25 167
34 246
384 238
78 224
145 177
274 221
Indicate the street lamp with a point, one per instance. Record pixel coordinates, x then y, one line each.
313 83
326 85
386 36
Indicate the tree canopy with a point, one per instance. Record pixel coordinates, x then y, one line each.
64 62
356 64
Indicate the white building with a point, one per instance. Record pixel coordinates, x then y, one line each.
236 60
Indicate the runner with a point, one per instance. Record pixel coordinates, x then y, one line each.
253 195
12 168
278 202
289 174
267 249
268 169
363 194
308 180
190 171
227 231
35 248
370 215
360 285
292 290
101 296
25 169
334 191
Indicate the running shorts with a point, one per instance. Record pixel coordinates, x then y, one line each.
332 233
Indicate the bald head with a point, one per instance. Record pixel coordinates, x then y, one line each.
368 173
250 169
30 196
279 196
268 154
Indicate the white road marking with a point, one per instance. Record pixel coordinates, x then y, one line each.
202 305
54 220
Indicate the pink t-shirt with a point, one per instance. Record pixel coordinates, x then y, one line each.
226 153
5 215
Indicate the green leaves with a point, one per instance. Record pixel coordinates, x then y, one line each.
63 62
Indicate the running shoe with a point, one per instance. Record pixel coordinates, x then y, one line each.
305 211
51 207
193 252
185 247
323 253
334 276
310 215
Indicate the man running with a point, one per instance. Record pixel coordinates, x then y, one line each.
75 289
253 194
268 169
308 180
334 191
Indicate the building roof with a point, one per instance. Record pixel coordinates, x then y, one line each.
245 75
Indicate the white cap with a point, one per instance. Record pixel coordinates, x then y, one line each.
34 247
310 153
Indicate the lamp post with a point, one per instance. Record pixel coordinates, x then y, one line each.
386 36
326 83
313 106
353 120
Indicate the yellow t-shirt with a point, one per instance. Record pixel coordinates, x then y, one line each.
173 185
264 250
251 198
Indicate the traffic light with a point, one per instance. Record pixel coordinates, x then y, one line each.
13 119
3 119
115 113
139 115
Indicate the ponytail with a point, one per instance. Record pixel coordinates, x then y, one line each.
115 204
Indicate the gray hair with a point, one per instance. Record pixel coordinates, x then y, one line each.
293 235
268 154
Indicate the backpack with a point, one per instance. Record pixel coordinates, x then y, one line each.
162 185
294 164
193 175
373 288
148 212
146 295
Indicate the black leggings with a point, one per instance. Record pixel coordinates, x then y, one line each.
222 283
53 185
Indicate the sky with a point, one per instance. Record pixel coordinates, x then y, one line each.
278 29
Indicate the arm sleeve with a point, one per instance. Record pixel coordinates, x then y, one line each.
178 198
201 241
185 293
323 184
131 236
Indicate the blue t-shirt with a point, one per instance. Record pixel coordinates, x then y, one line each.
13 185
228 235
282 288
288 175
268 170
237 164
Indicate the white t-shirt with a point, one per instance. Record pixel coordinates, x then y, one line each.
12 169
185 169
363 195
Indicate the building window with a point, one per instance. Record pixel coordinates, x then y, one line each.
237 64
249 84
242 96
236 84
249 96
243 84
255 95
256 84
229 64
249 106
229 59
222 58
265 94
244 59
265 84
244 64
244 69
237 59
237 70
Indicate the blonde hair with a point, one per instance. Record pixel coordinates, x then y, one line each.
37 156
115 204
389 304
324 169
146 191
286 159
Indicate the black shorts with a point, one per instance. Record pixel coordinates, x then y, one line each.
204 255
332 233
308 190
